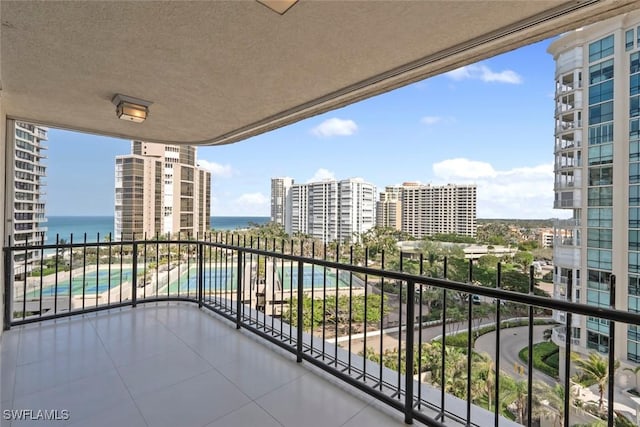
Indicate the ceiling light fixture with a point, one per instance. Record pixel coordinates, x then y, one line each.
279 6
131 109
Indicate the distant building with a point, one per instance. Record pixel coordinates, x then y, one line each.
447 209
280 194
389 208
326 210
545 238
159 190
28 193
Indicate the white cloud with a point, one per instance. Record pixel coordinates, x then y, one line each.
216 169
485 74
247 204
321 174
335 127
431 120
525 192
434 120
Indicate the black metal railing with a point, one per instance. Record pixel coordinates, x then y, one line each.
391 333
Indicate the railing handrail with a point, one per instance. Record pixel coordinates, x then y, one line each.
468 288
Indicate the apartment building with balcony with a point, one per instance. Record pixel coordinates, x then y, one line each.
280 195
327 210
429 209
159 190
29 195
597 177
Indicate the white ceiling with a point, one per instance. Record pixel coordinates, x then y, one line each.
221 71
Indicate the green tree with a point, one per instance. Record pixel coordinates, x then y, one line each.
594 369
552 398
515 392
523 259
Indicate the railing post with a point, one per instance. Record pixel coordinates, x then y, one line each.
612 352
408 373
300 323
8 286
567 359
530 352
134 272
200 272
239 291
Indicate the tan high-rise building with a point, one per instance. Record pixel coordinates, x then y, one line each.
159 190
389 208
28 193
447 209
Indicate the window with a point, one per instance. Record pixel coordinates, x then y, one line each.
601 49
634 262
634 60
634 173
634 106
601 176
599 238
634 129
602 196
634 84
634 195
634 240
601 113
601 92
601 72
599 258
601 134
628 39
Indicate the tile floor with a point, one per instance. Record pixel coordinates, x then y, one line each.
169 364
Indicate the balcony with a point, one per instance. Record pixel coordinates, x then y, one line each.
211 336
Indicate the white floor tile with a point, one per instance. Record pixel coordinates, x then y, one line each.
124 413
312 399
250 415
162 370
194 402
82 399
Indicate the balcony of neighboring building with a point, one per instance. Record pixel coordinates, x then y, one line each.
568 102
567 137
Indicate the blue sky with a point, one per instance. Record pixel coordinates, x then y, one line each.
490 123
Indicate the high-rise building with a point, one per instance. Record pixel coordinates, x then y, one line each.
597 177
28 193
329 210
447 209
280 194
389 208
159 190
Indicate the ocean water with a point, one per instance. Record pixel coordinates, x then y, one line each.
64 226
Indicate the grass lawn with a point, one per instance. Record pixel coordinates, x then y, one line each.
545 357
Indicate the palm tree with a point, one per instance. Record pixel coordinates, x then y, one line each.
595 369
485 378
635 372
515 392
554 397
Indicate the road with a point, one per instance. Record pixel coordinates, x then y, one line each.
512 340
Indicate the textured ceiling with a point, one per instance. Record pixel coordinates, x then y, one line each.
220 71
